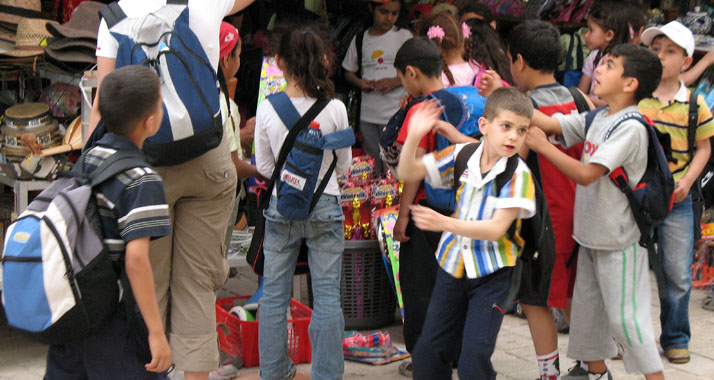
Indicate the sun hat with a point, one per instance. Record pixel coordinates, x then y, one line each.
12 11
31 38
84 22
228 38
675 31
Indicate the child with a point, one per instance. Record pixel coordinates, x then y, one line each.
448 33
534 48
377 78
488 51
480 11
669 109
418 63
607 28
304 58
612 288
134 210
475 255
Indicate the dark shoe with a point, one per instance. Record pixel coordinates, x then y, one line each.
576 373
677 355
405 369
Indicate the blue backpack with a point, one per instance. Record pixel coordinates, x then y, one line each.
652 199
163 40
297 194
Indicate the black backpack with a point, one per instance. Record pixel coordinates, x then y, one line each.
652 199
534 267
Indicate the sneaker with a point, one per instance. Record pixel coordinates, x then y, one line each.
561 324
405 368
602 376
225 372
576 373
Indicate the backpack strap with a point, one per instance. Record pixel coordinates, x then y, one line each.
285 109
579 52
462 160
580 102
692 123
589 117
115 164
224 88
569 56
177 2
359 39
112 14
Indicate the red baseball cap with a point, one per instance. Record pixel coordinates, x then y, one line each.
228 38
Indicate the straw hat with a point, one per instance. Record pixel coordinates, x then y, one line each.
31 38
13 11
72 139
84 22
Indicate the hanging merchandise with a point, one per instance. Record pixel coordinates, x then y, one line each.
30 40
29 127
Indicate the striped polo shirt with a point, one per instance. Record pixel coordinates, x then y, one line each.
673 118
476 199
133 204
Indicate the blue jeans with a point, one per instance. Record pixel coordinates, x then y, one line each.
463 311
676 246
324 234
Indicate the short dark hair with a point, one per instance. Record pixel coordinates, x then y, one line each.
642 64
538 42
509 99
478 8
422 53
126 96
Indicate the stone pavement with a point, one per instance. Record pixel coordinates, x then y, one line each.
514 358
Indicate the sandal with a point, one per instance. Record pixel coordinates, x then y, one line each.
708 303
405 369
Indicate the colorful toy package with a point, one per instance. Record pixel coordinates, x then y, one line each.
386 219
357 210
362 169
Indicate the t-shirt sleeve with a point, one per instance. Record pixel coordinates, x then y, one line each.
142 209
589 63
572 127
440 167
107 45
350 62
705 125
404 130
344 155
264 159
519 192
622 146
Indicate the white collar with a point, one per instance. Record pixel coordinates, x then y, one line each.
475 163
681 96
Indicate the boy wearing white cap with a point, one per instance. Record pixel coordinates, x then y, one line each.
669 109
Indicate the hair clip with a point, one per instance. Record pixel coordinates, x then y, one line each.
435 32
632 31
465 30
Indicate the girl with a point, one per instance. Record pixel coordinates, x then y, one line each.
375 74
488 50
448 33
303 56
607 28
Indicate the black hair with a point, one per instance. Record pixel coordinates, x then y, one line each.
478 8
401 20
421 53
636 16
509 99
642 64
126 96
307 57
538 42
487 48
609 16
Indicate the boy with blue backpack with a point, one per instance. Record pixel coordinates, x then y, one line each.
612 288
133 210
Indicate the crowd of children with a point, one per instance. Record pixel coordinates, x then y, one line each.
470 173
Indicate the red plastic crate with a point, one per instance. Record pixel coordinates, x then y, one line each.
240 338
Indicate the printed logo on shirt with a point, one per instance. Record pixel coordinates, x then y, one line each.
377 54
589 148
293 179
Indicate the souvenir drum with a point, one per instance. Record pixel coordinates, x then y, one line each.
35 123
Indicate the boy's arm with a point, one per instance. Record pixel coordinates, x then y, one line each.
447 130
141 278
547 123
420 123
358 82
492 229
699 161
691 75
582 173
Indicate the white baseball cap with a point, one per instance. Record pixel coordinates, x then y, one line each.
675 31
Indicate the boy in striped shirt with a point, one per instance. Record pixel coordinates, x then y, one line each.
475 255
669 109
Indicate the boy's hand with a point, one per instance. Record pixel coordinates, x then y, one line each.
681 190
367 85
404 102
424 118
536 139
386 85
400 228
490 80
427 219
160 352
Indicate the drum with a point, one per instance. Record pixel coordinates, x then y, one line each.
33 120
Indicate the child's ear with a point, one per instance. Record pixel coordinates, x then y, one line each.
609 35
482 122
630 84
520 63
410 72
280 62
687 62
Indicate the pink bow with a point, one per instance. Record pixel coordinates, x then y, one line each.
465 30
436 32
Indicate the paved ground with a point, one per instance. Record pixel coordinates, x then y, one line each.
514 358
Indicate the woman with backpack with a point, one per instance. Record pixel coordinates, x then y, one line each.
304 57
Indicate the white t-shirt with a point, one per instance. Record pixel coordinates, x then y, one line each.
205 18
378 54
270 133
602 216
228 126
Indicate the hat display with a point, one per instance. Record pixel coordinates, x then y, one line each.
84 23
675 31
31 38
12 11
72 139
78 54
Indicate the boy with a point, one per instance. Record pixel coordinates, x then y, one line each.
133 209
418 64
475 254
669 109
533 49
612 289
